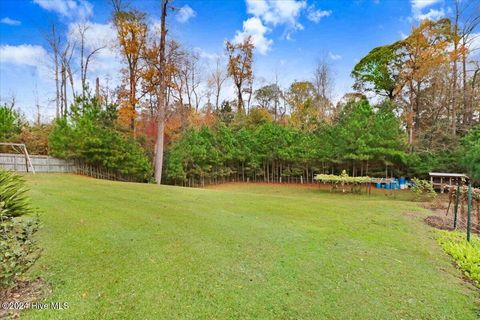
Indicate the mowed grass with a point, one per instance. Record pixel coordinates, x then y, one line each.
135 251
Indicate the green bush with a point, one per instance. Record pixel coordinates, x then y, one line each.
466 254
18 249
89 134
471 152
423 189
10 123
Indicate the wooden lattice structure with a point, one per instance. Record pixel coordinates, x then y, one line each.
21 149
466 205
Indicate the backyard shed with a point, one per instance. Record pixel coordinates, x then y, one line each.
441 179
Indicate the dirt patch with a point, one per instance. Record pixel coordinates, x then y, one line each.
438 222
22 294
439 218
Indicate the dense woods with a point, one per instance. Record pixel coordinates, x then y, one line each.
415 108
364 140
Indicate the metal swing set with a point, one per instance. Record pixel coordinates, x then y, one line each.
21 149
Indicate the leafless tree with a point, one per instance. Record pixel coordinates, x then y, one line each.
469 20
53 40
216 80
323 86
85 57
66 75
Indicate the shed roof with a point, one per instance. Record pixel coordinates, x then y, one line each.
442 174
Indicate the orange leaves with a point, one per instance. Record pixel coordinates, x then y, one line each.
132 36
126 114
426 48
131 32
240 61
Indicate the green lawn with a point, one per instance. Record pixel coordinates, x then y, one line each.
136 251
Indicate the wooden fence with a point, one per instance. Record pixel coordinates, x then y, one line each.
101 173
17 162
44 164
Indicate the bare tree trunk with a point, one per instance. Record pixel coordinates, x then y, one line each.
159 143
132 97
240 100
466 106
97 88
81 30
57 87
455 70
62 97
54 44
161 98
417 124
64 83
70 77
410 117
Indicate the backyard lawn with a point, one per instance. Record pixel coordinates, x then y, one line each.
136 251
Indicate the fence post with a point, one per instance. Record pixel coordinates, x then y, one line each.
469 210
455 211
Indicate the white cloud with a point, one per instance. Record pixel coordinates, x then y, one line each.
78 9
432 14
10 22
257 7
316 15
24 54
283 12
418 7
185 13
96 34
257 30
403 36
474 44
104 62
27 55
421 4
203 54
267 14
334 56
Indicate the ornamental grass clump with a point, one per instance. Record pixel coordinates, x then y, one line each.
466 254
18 249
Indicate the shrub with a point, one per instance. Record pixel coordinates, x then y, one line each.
471 152
18 249
466 254
35 138
423 189
89 134
10 123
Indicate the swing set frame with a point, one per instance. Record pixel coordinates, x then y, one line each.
21 148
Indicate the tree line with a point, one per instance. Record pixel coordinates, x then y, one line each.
415 107
364 139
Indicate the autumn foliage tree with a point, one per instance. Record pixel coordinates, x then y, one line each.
132 36
240 68
404 70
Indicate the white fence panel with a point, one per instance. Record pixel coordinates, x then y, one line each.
16 162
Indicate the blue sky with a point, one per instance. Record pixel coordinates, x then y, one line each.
291 35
